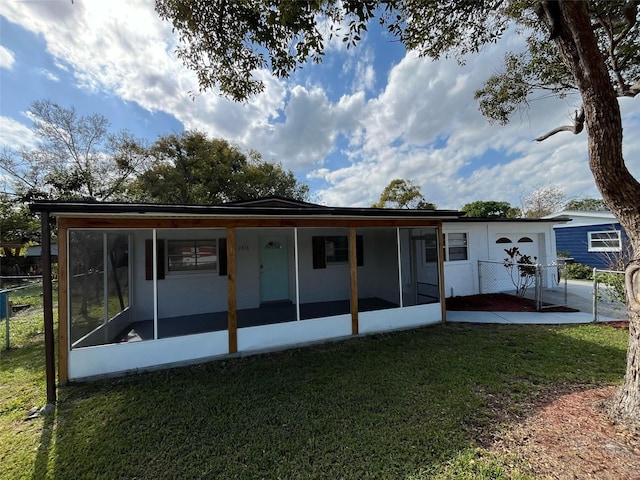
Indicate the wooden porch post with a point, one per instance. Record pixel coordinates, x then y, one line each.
443 303
353 269
232 316
47 300
63 316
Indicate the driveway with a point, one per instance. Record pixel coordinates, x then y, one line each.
579 295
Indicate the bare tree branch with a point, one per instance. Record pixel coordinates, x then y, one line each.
577 127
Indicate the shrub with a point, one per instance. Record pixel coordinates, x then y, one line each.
613 286
578 271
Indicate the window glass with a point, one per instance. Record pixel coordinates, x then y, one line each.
525 240
337 249
504 240
189 255
605 241
457 246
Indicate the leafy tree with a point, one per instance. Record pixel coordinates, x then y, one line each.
542 201
75 158
586 204
487 209
190 168
588 47
17 224
402 194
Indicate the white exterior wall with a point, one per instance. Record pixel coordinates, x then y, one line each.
321 284
461 277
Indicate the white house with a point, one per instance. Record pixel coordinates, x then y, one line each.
145 285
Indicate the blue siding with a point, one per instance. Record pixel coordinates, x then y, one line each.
575 240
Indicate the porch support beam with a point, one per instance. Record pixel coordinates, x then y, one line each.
353 269
227 222
297 262
232 314
47 300
63 302
398 244
443 303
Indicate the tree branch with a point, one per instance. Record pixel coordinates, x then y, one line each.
576 128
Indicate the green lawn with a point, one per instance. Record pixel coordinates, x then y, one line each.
409 405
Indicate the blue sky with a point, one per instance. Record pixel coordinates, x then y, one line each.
346 127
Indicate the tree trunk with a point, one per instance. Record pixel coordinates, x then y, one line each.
620 191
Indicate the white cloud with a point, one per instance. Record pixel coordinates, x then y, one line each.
15 135
49 75
7 58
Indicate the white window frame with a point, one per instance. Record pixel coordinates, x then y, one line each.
446 244
195 243
610 233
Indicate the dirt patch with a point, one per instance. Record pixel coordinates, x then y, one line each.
498 302
569 436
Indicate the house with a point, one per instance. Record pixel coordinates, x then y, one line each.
593 238
145 285
474 251
33 258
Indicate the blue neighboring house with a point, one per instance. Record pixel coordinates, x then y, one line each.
592 238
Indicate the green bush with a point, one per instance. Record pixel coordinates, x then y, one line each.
613 286
578 271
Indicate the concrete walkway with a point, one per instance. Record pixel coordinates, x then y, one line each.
520 318
579 296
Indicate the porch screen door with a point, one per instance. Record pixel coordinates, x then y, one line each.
274 269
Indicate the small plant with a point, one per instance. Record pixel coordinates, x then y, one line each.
522 269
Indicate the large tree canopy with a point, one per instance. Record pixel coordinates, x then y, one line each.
75 157
490 209
190 168
403 194
591 47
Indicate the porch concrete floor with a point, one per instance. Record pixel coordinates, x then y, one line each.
266 314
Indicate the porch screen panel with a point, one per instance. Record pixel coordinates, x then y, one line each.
378 275
86 287
420 251
324 272
117 272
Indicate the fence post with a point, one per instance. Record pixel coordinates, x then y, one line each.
6 307
538 287
595 295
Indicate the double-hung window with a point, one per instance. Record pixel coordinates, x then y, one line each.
455 247
607 241
192 255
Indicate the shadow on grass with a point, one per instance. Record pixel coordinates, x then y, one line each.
403 405
41 464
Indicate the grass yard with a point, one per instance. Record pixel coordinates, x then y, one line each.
413 405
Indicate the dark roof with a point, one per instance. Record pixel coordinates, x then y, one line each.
506 220
270 207
272 201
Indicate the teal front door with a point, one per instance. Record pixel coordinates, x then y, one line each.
274 269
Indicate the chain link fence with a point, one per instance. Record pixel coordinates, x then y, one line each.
609 299
524 280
